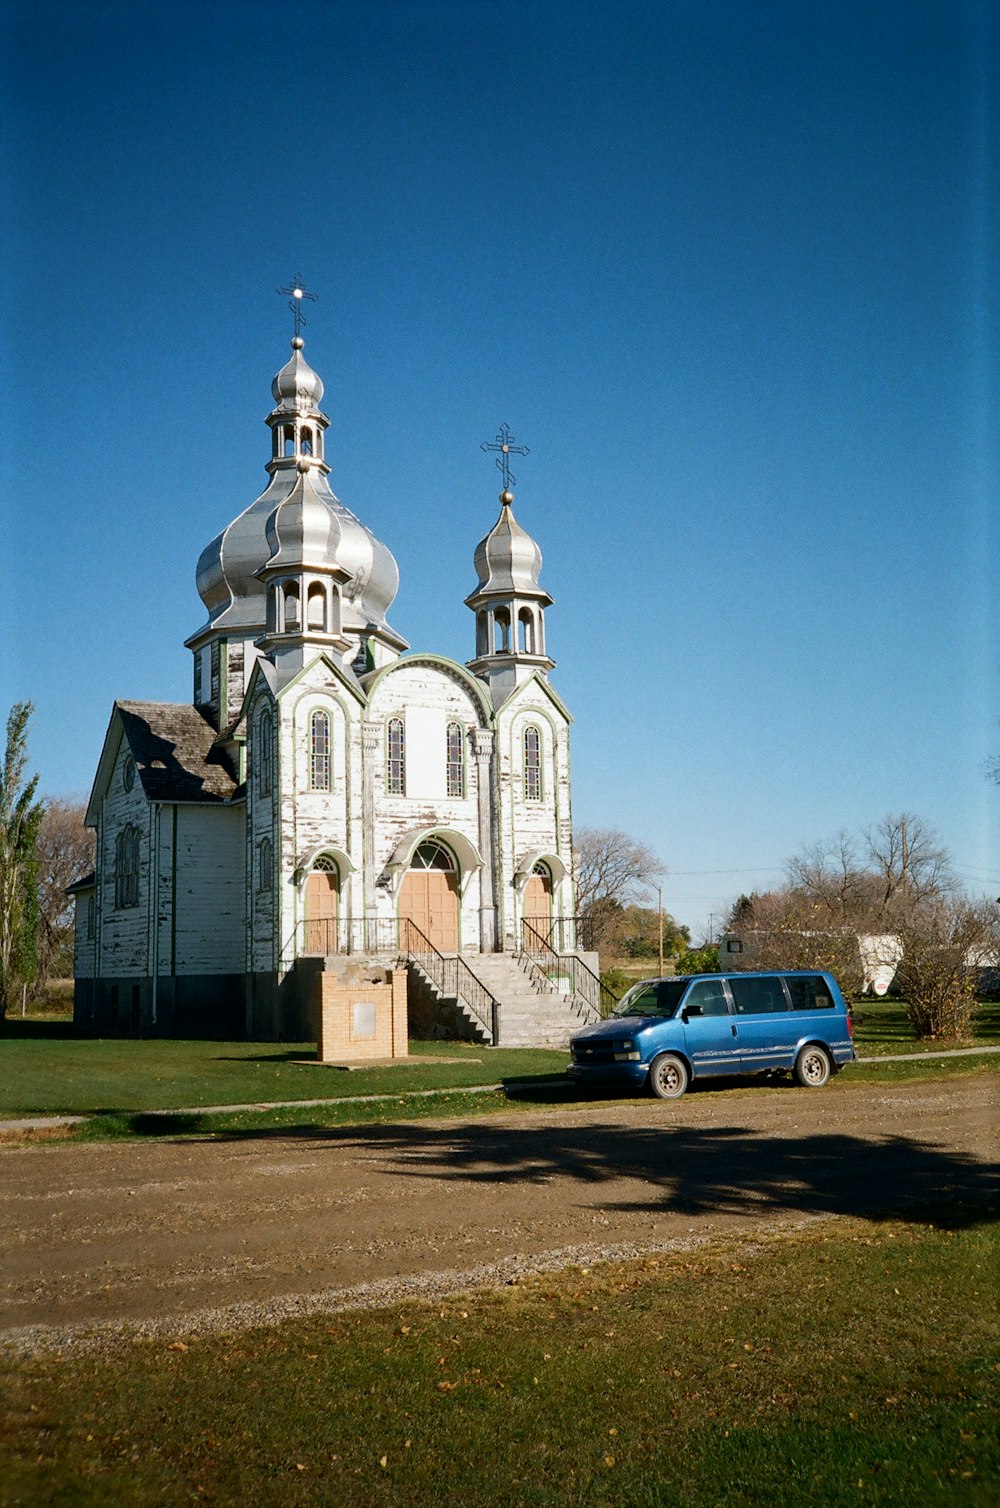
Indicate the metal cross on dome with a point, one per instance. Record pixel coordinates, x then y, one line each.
505 445
295 293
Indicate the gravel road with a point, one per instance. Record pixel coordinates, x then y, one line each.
106 1240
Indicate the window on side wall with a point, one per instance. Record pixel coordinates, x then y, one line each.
265 877
265 754
395 757
455 760
532 764
319 751
127 868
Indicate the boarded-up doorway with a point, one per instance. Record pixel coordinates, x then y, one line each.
429 896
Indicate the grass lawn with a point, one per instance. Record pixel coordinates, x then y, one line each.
47 1069
847 1363
124 1081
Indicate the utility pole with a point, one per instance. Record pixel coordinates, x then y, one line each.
659 907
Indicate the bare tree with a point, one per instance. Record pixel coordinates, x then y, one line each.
611 866
612 871
910 865
64 852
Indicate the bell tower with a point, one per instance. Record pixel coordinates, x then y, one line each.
509 602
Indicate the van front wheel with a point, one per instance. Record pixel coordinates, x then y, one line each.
668 1076
813 1067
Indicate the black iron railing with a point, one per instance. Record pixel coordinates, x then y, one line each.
452 976
584 985
368 934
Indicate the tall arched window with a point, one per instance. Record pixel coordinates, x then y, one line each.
91 917
501 631
395 757
307 442
456 760
319 751
532 764
526 631
127 867
291 606
265 871
265 754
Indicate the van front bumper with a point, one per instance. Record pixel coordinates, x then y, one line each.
627 1075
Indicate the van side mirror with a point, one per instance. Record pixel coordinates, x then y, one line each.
689 1011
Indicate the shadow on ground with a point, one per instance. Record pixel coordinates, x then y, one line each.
727 1170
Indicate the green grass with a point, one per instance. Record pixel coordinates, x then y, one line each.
46 1069
845 1364
881 1027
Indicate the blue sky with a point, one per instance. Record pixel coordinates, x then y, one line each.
729 270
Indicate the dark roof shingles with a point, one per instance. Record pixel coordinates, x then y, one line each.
174 751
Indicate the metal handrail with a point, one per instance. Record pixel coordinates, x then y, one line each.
452 976
584 982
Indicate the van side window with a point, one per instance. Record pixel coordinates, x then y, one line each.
810 994
710 997
755 994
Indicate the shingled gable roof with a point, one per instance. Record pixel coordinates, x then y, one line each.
174 751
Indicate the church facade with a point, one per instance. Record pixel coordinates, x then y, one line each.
325 794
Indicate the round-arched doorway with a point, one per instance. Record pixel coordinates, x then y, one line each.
538 900
322 906
429 895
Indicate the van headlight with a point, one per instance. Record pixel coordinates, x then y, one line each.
624 1052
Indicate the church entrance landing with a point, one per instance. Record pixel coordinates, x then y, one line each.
429 896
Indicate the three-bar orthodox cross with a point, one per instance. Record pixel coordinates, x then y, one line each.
505 445
295 293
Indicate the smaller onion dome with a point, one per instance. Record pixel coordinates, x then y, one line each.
508 559
297 388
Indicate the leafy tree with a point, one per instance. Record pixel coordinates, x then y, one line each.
698 960
64 852
20 818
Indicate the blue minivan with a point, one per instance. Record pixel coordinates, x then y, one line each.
666 1032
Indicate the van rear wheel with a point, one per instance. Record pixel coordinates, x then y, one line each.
812 1067
668 1076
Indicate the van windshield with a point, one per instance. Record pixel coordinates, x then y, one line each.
654 997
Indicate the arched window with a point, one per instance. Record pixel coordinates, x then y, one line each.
482 634
501 630
455 760
265 754
127 867
306 445
91 917
395 757
432 855
532 764
289 440
319 751
316 610
128 772
291 606
265 871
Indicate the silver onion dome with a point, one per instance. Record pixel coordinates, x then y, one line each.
297 387
303 530
227 571
508 560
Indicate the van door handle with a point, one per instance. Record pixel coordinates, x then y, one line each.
733 1029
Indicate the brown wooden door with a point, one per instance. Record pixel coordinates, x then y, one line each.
322 897
538 902
429 898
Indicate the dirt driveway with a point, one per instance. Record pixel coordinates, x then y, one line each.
188 1235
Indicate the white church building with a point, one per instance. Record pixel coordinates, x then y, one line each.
328 797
